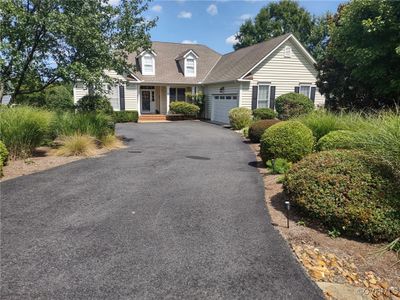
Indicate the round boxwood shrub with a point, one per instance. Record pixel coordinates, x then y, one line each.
257 129
184 108
290 140
349 191
240 117
292 105
338 139
94 103
264 114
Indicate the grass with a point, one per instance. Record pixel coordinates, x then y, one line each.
77 145
111 142
22 129
96 125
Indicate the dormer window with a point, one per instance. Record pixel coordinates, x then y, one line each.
147 62
187 61
190 67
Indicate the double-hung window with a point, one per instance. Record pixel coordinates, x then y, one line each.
190 67
148 65
305 89
263 95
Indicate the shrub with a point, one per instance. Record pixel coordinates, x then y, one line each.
346 189
94 103
24 128
293 104
59 98
339 139
96 125
382 139
76 145
258 128
110 142
264 114
322 122
125 116
240 117
3 154
279 165
245 132
290 140
184 108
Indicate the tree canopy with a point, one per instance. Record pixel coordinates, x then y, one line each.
285 16
44 41
361 68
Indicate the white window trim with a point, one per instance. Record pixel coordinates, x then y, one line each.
195 66
153 72
309 90
288 51
269 92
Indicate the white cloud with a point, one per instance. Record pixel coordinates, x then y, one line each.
212 9
156 8
245 17
189 42
185 15
113 2
231 40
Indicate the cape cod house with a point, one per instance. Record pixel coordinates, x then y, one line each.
250 77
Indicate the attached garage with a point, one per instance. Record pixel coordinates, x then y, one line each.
221 105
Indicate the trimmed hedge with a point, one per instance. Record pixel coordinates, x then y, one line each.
240 117
292 105
184 108
339 139
290 140
94 103
264 114
258 128
125 116
349 191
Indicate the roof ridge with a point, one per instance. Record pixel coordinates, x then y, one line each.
257 44
176 43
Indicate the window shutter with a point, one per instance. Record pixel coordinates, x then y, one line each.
297 89
312 96
254 97
121 97
272 98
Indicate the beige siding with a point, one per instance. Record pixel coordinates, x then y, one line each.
283 72
214 89
79 91
131 101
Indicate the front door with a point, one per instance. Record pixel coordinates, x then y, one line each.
148 101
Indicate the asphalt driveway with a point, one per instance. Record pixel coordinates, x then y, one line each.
179 215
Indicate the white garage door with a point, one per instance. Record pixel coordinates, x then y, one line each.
221 105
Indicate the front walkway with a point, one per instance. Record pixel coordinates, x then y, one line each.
178 214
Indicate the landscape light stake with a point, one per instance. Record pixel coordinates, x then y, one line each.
288 210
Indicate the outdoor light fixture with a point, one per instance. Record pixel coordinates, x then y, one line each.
287 214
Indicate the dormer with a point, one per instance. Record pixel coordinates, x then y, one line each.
147 62
188 62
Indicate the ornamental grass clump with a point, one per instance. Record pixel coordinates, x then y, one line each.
240 117
348 190
290 140
24 128
76 145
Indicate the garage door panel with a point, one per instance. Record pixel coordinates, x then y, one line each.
221 108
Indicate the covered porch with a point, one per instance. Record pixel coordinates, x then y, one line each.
155 99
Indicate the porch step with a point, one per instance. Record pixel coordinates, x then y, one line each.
152 117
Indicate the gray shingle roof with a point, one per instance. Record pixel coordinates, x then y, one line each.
168 69
211 66
234 65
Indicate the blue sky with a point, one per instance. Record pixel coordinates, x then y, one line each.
212 23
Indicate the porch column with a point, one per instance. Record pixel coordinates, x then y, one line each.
167 99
